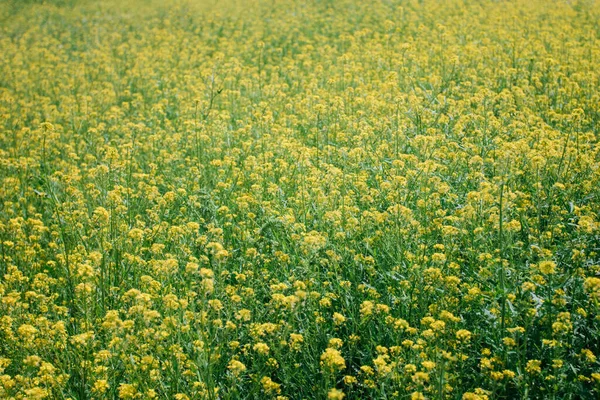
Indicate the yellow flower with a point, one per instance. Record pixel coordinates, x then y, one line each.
366 309
127 391
261 348
332 360
547 267
100 386
136 234
428 365
236 367
589 356
410 368
269 386
508 374
215 304
335 394
36 393
592 287
296 341
338 319
420 378
533 366
473 396
463 335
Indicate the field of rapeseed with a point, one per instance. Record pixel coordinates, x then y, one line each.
299 199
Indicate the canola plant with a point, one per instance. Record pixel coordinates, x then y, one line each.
299 199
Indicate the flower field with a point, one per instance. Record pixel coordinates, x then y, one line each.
245 199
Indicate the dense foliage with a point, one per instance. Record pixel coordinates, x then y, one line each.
294 200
